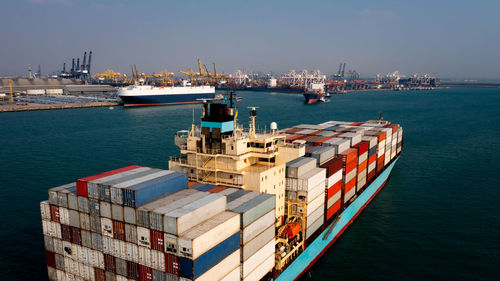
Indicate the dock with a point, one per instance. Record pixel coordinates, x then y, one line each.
33 106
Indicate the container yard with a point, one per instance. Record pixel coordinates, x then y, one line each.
237 206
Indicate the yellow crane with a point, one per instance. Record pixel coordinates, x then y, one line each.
11 92
111 75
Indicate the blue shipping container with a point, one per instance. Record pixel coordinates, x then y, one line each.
140 194
202 186
194 269
235 195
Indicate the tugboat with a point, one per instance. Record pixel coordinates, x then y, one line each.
315 92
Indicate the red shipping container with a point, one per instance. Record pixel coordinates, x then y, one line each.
99 274
362 147
317 132
350 185
348 155
171 264
119 230
321 141
157 240
81 184
362 166
217 189
295 137
51 258
76 236
66 232
381 136
146 273
133 270
394 127
350 166
109 263
332 166
334 189
371 174
372 158
333 209
54 213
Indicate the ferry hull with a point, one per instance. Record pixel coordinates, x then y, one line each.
170 99
328 236
312 97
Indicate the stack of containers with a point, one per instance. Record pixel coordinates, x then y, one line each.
306 185
400 140
362 148
322 154
380 147
388 144
95 237
349 173
372 155
257 230
395 136
333 185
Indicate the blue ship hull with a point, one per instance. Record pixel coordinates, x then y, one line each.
165 99
326 238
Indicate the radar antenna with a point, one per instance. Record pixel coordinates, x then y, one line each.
253 114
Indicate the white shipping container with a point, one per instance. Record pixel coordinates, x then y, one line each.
242 200
61 275
158 260
363 157
117 212
261 270
129 215
256 259
222 268
145 256
352 174
349 194
315 215
107 245
354 138
258 226
64 216
99 258
208 234
67 264
299 167
132 252
58 246
311 179
182 219
371 139
45 210
315 226
257 243
334 199
84 221
333 179
311 207
308 196
381 144
387 158
171 243
119 249
372 166
107 227
340 144
105 209
233 275
54 229
143 237
361 183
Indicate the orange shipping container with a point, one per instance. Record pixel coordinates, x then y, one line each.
372 159
362 166
349 154
334 189
350 185
333 209
350 166
217 189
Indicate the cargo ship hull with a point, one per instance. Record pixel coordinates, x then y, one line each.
333 231
147 95
313 97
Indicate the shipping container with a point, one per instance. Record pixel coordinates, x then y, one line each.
158 260
339 144
314 226
81 184
143 193
233 275
234 202
256 259
132 253
143 237
308 180
300 166
181 219
157 240
208 234
220 270
261 270
171 264
144 256
252 246
255 208
258 226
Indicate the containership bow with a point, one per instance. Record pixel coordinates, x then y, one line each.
236 205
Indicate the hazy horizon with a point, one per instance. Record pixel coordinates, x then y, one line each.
450 39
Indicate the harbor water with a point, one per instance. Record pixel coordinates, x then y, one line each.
438 217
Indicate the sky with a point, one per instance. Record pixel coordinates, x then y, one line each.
450 39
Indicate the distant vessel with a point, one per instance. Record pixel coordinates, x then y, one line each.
315 92
143 95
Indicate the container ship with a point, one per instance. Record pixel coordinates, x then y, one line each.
237 204
315 92
143 95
